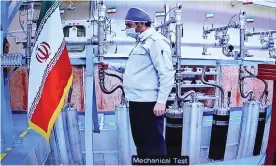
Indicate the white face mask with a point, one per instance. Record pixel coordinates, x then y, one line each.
132 33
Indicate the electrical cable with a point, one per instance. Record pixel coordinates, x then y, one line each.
266 85
114 75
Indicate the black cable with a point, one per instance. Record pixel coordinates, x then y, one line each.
266 85
102 85
114 75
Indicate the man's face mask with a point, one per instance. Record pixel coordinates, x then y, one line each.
132 33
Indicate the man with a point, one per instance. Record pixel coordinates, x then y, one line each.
148 79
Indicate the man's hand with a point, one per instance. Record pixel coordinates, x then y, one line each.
103 65
159 109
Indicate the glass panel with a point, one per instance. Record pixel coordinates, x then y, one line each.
68 32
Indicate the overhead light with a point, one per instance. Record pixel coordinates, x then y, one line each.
267 3
247 3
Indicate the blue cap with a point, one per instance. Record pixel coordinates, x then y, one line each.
137 15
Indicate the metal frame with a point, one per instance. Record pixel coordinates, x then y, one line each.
7 127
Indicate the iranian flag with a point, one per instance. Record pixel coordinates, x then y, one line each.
51 75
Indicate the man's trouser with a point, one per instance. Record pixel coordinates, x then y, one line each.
147 129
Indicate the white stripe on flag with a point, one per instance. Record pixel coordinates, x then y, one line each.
54 41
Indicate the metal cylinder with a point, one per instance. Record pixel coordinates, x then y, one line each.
220 125
173 135
62 140
54 149
260 131
74 136
191 133
30 17
101 32
122 127
248 129
242 34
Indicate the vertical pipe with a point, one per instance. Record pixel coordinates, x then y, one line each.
30 17
102 13
55 153
191 133
178 13
74 136
254 126
242 33
89 90
248 128
122 135
62 138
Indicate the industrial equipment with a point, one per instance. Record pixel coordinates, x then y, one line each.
220 124
184 117
192 129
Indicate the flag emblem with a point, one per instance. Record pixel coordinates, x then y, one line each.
43 52
51 74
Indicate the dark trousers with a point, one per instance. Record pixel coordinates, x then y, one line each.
147 129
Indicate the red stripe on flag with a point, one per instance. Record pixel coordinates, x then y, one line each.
56 87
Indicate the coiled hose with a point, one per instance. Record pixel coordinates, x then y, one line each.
265 92
215 85
114 75
241 82
102 85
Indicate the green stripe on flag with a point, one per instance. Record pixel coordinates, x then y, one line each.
250 19
160 13
209 14
111 10
46 5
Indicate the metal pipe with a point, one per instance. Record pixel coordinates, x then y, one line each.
128 41
249 122
191 132
12 60
178 13
261 33
84 41
215 85
172 20
30 17
187 94
101 32
74 136
231 25
242 33
123 141
55 152
61 131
